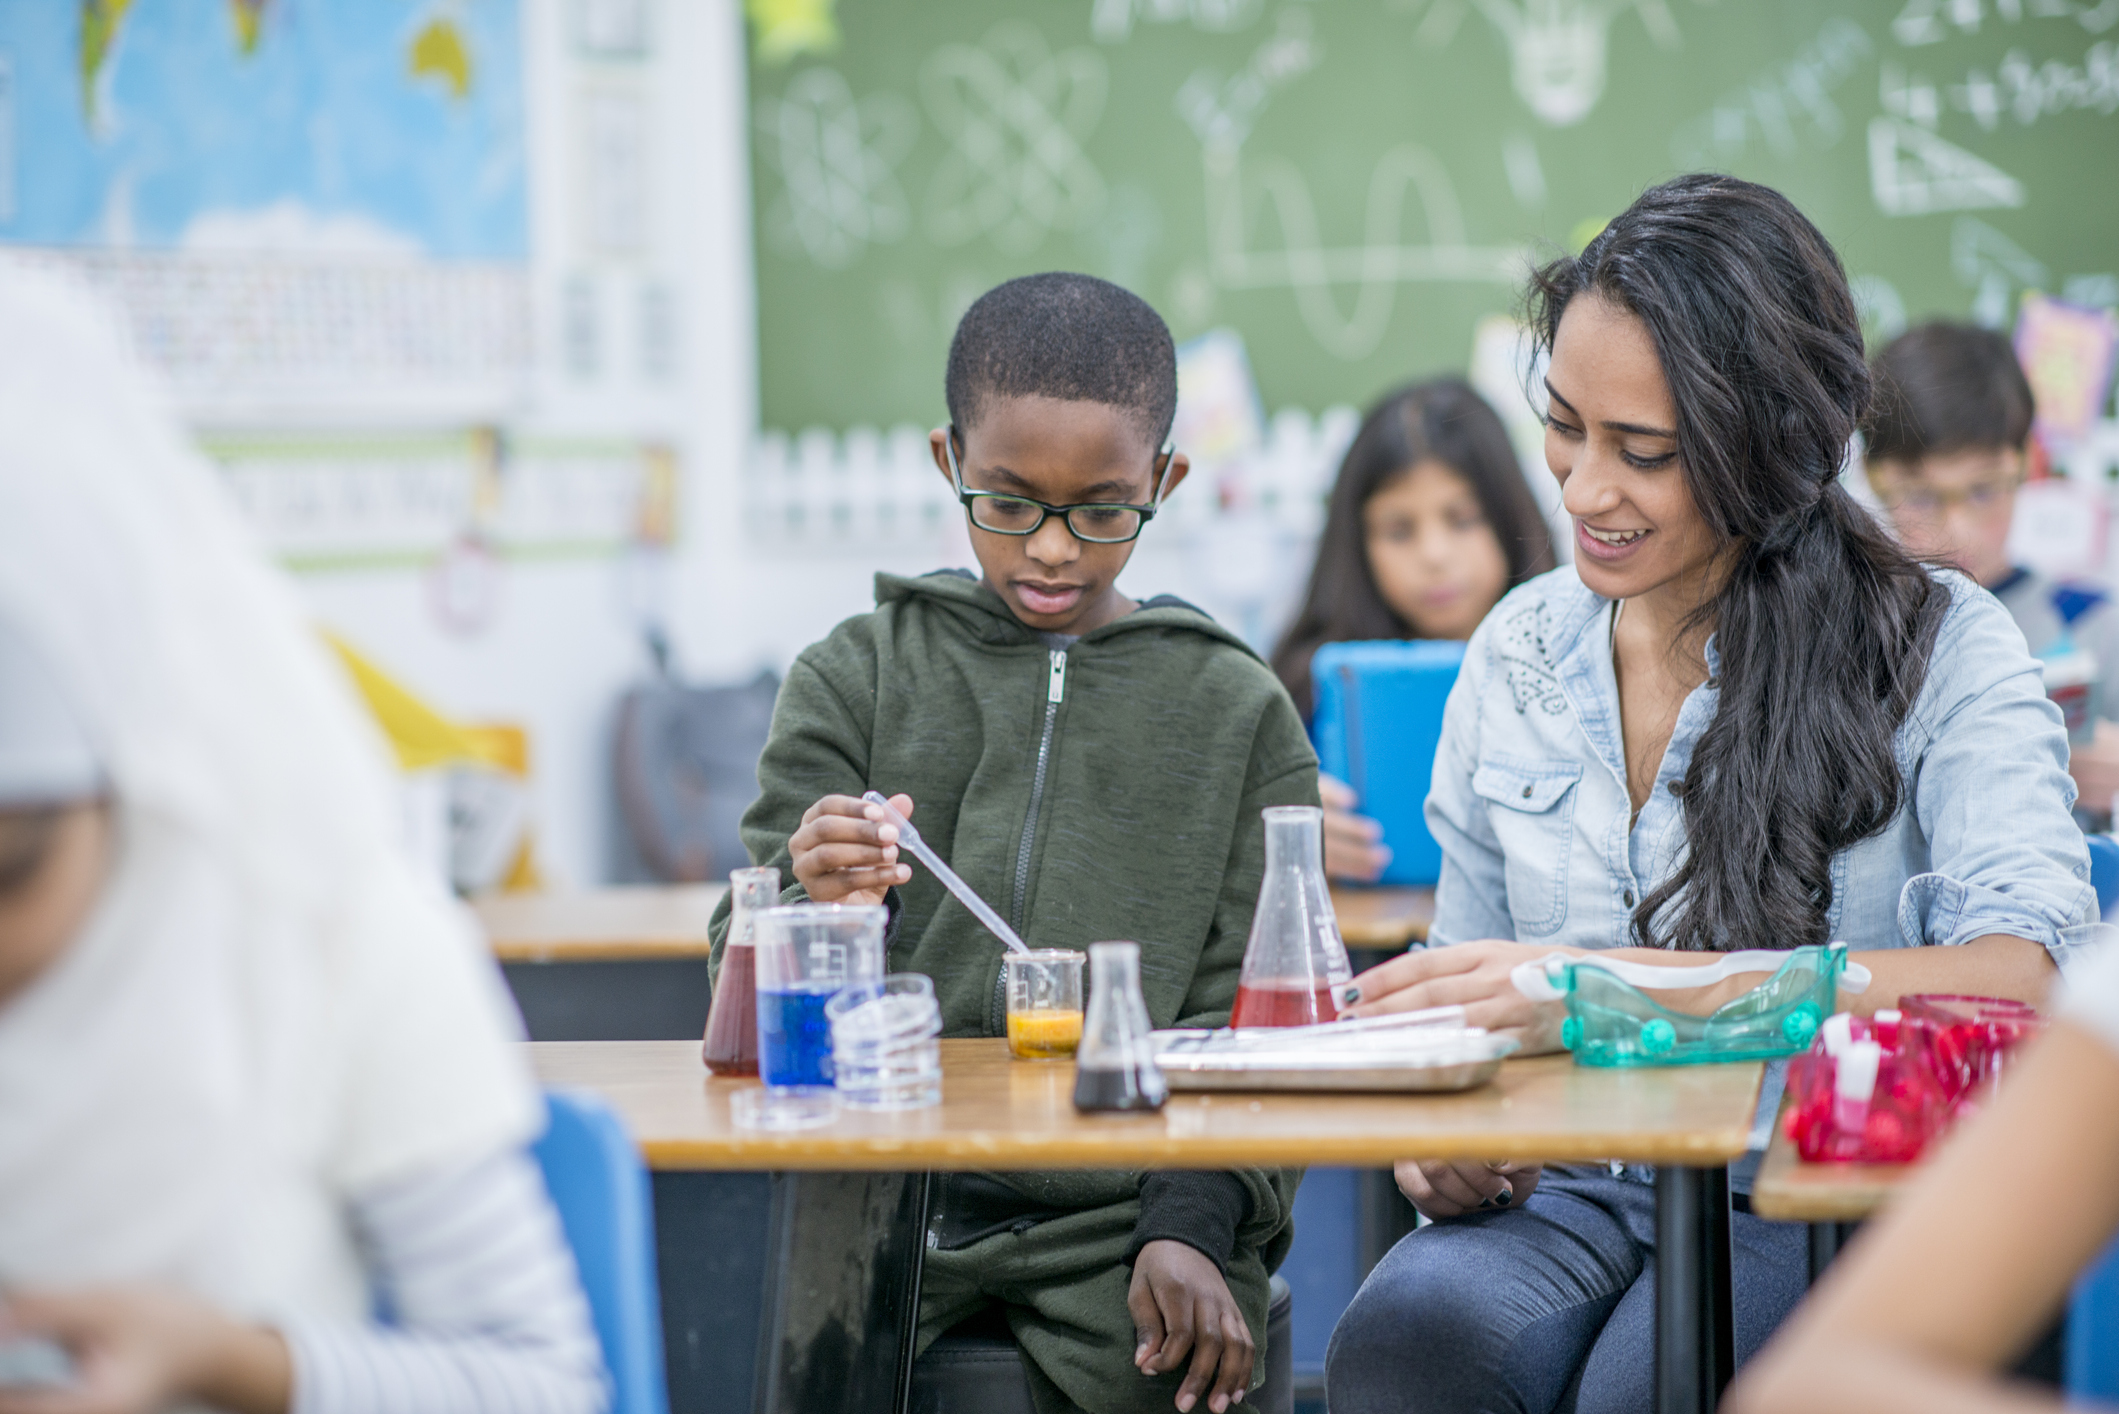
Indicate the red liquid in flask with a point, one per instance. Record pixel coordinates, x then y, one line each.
731 1046
1287 1004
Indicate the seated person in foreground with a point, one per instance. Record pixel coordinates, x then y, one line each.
1095 767
1948 1285
1429 524
1947 434
256 1079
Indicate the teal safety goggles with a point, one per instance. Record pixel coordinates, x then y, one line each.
1612 1019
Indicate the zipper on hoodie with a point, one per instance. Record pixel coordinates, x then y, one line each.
1055 692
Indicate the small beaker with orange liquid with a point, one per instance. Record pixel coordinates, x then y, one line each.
1044 989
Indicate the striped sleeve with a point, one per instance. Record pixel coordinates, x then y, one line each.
485 1313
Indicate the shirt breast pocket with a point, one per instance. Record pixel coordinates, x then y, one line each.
1531 806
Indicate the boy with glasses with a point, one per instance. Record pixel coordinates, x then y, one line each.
1947 434
1093 765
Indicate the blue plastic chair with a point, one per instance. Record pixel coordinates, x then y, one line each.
605 1204
2093 1331
2093 1316
2104 873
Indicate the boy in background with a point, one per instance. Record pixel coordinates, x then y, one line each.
1948 436
1095 767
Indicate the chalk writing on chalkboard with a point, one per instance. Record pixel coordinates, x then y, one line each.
1015 115
1912 172
837 161
1783 107
1111 21
1221 115
1556 48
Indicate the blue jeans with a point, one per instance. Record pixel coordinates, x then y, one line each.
1544 1309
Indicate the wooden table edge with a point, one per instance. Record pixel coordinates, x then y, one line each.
1788 1189
602 950
962 1156
895 1143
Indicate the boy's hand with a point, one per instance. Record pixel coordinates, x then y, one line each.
844 853
1180 1303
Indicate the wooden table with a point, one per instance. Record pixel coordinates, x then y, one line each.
608 963
1382 917
1789 1190
999 1114
1831 1198
625 924
600 925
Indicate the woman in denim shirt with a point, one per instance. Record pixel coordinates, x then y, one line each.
1742 719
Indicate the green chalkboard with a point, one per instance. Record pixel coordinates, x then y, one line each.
1352 186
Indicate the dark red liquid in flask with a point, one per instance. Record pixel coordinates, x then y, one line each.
731 1044
1291 1004
732 1022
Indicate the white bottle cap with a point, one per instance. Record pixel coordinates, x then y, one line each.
1858 1063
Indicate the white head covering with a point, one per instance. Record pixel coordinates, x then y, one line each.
45 757
270 1008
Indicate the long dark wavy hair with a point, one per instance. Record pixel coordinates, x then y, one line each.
1823 625
1443 420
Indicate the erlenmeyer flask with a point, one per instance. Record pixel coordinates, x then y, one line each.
731 1044
1115 1067
1294 961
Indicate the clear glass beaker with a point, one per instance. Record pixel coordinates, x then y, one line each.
1115 1068
731 1044
1294 961
885 1048
1044 1003
806 953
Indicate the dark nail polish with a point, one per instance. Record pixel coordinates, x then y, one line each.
1504 1198
1350 996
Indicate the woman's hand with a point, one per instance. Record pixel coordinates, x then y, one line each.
1180 1303
1353 844
141 1349
1471 975
1442 1189
845 853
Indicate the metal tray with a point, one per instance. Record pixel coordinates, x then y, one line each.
1459 1063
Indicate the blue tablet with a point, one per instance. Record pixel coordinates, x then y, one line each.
1377 724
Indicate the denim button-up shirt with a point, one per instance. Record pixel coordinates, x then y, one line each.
1531 808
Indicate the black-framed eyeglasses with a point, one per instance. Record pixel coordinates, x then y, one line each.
1097 522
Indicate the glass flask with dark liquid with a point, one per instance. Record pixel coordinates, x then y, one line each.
731 1045
1115 1066
1294 963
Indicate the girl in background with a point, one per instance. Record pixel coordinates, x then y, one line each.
256 1079
1430 523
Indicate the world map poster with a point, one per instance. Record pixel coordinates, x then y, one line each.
295 203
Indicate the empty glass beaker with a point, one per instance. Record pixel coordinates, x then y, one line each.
1115 1068
885 1051
806 953
731 1044
1294 961
1044 1003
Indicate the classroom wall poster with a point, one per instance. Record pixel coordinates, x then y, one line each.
295 204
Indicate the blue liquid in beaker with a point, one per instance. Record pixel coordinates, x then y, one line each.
794 1039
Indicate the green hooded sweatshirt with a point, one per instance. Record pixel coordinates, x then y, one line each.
1108 789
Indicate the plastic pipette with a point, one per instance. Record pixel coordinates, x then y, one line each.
980 909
